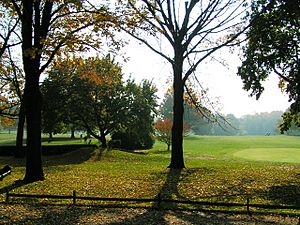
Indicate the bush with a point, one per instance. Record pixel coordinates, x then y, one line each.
131 141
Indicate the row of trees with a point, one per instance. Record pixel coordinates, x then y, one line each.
206 122
257 124
41 30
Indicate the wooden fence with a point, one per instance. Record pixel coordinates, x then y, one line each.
159 200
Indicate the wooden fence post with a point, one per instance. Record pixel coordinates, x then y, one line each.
248 207
159 200
74 197
7 196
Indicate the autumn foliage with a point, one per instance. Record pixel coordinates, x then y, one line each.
163 128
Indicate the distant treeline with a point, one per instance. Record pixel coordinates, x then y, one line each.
203 121
258 124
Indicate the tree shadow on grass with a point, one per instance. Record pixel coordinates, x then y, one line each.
42 214
74 157
170 213
16 184
169 190
70 158
283 195
166 212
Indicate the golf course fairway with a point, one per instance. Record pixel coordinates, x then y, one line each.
288 155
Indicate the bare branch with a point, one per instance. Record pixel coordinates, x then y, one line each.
152 48
5 44
211 51
162 24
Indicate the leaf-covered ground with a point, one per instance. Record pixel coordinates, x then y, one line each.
53 215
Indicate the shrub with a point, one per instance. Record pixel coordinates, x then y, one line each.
131 140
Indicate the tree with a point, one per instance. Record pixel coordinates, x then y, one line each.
136 130
50 28
54 104
196 115
12 89
259 123
273 48
193 34
90 95
12 76
97 97
166 107
163 130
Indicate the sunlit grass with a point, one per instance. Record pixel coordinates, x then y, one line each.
289 155
212 172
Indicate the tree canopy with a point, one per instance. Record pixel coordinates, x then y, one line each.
90 95
136 130
273 49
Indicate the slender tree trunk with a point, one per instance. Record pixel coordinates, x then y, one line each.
72 134
20 131
50 138
103 139
177 161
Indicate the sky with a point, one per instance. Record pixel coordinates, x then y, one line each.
222 82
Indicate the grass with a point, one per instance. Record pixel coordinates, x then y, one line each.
61 139
7 138
289 155
218 169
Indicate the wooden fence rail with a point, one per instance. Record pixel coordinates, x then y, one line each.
159 200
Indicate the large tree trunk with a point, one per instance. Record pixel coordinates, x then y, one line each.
177 161
31 47
33 101
20 132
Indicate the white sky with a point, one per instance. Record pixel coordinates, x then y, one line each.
223 83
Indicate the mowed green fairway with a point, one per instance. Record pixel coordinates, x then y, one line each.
289 155
254 148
